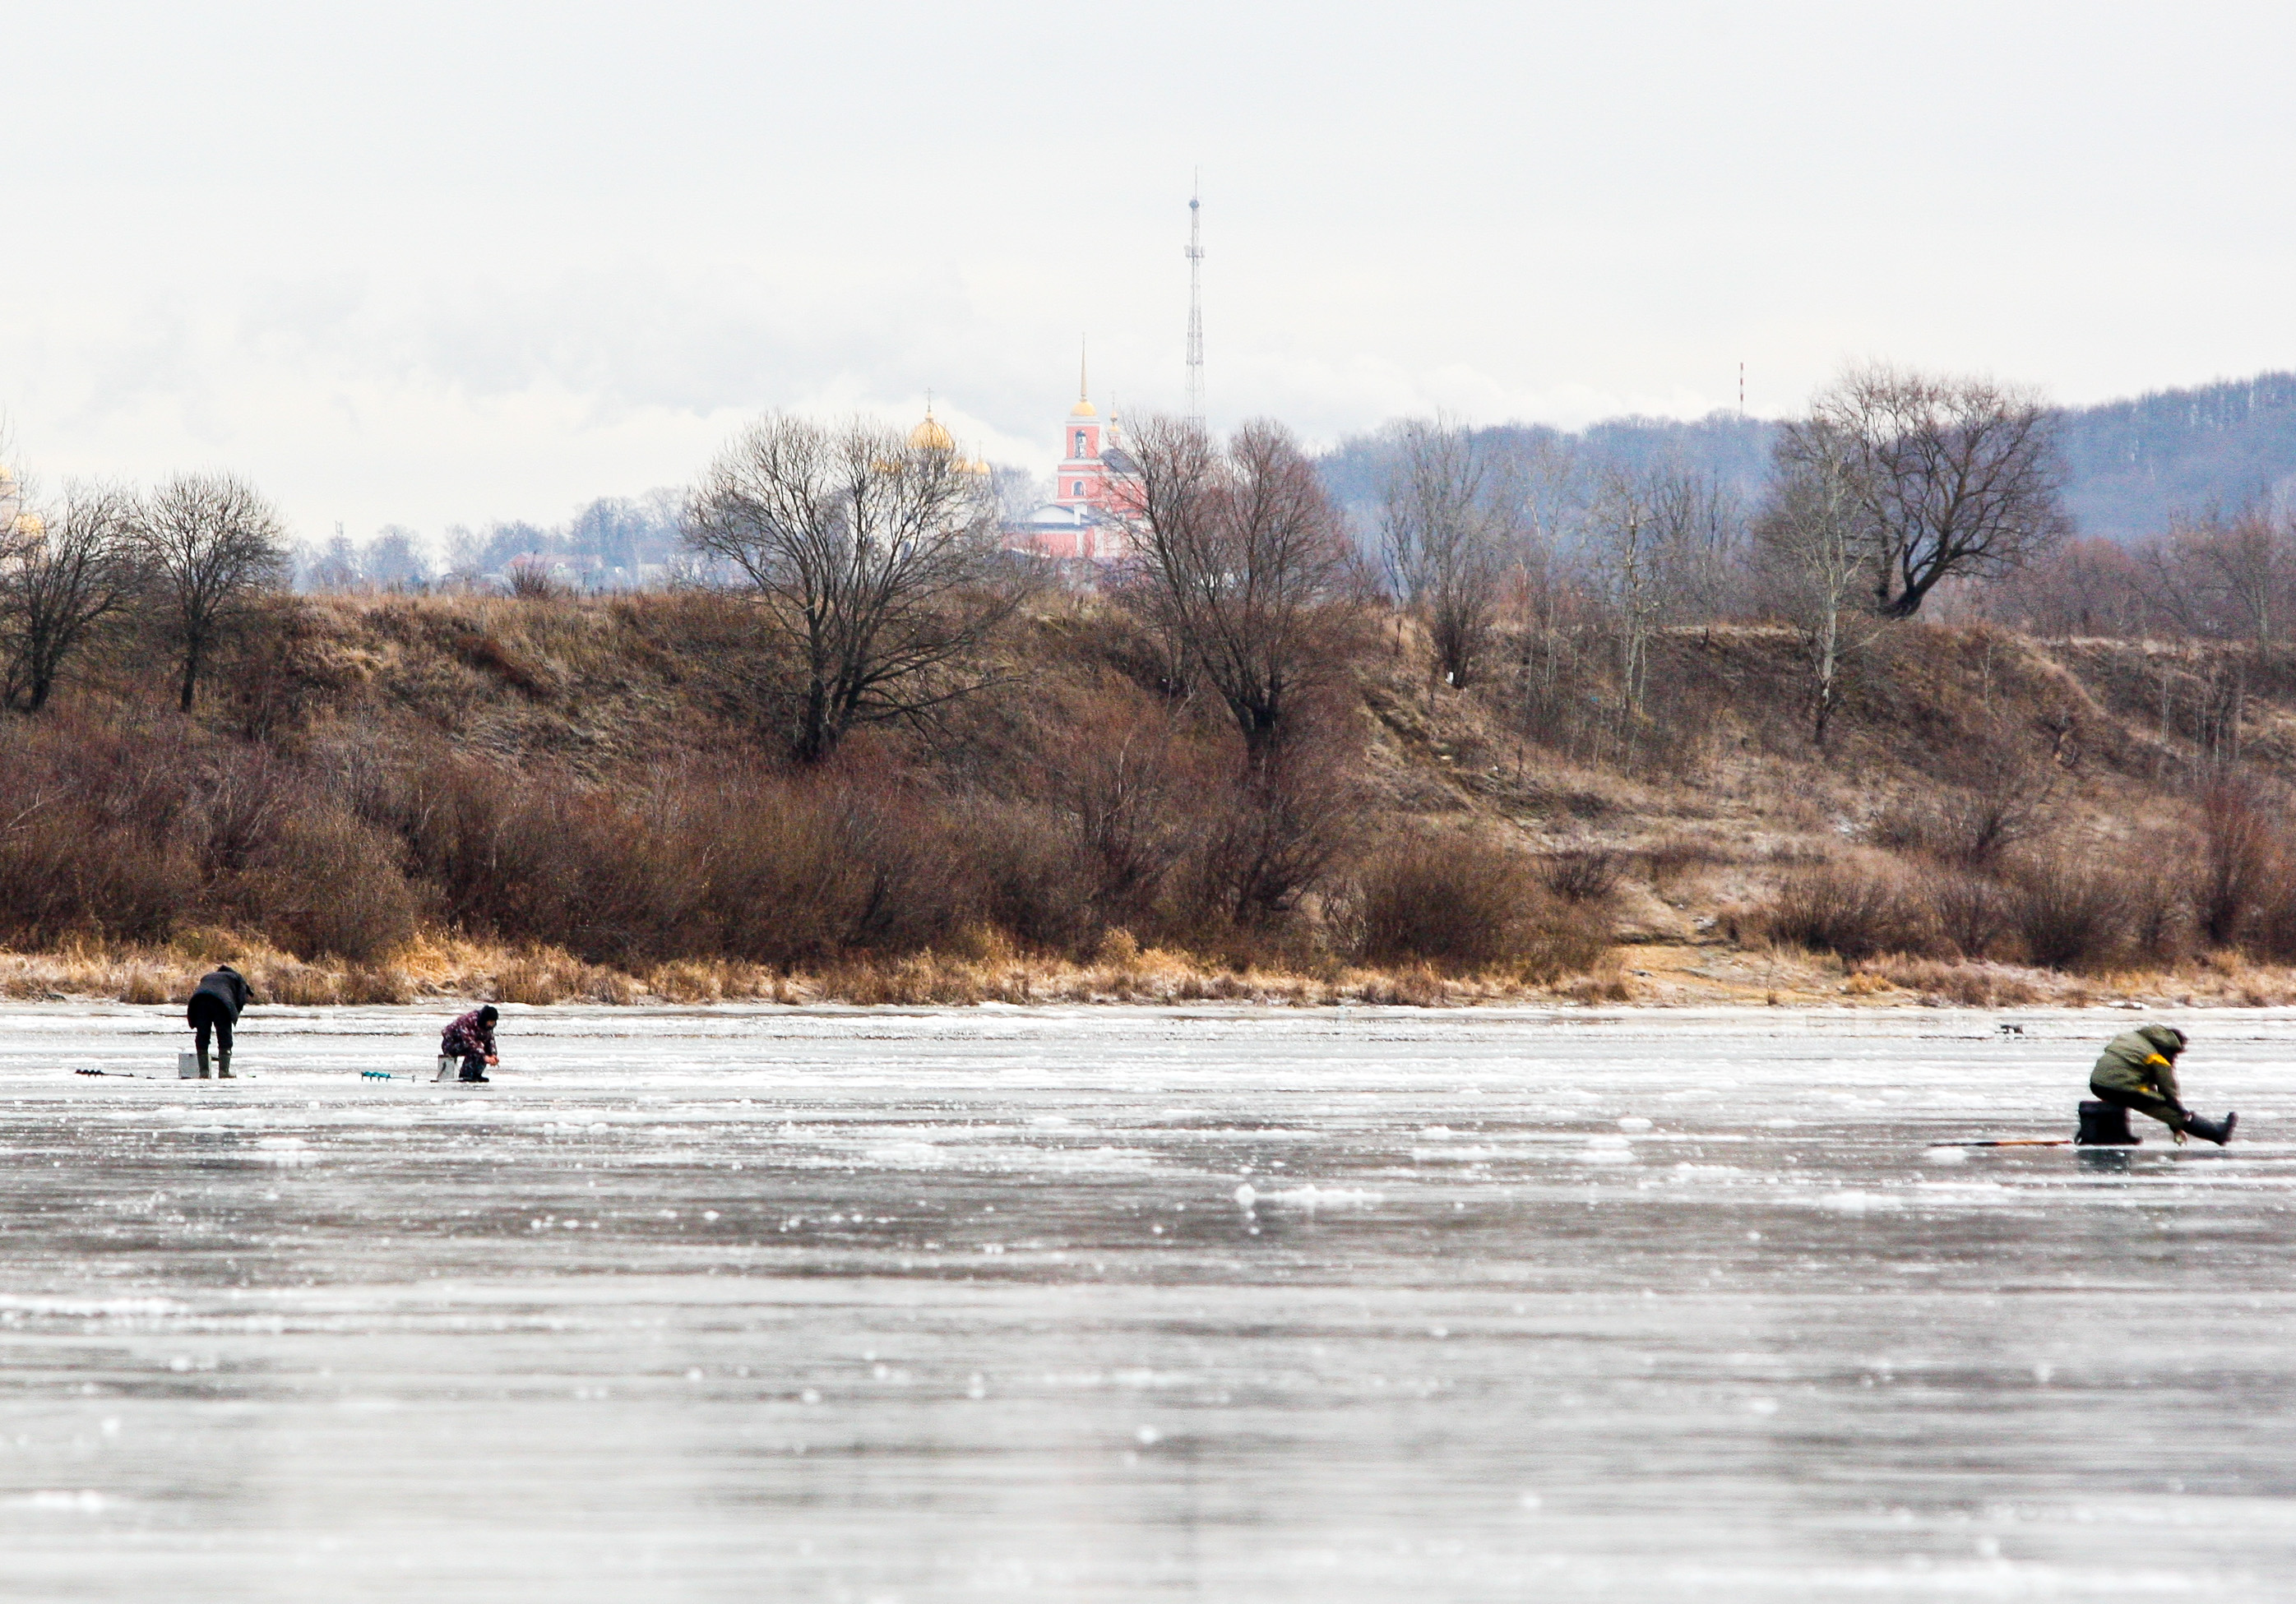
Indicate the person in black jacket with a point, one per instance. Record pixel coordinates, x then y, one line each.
214 1010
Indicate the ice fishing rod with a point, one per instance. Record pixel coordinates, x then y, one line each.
2011 1141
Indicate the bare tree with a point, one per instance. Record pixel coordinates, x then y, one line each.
209 546
335 567
1444 533
1238 555
395 558
2226 573
1955 475
874 560
1817 546
1659 538
60 579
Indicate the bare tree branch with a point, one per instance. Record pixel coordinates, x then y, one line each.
1447 524
1817 543
1956 476
1238 553
209 544
60 579
875 560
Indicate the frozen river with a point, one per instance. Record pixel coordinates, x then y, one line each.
1138 1305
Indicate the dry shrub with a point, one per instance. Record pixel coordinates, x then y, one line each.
1464 901
296 985
531 581
1612 988
1666 860
147 985
1971 913
1582 875
326 885
1853 911
1130 793
1970 985
537 978
1272 835
89 843
2156 876
1118 950
2242 857
687 981
1971 827
1416 985
731 861
1027 876
2069 912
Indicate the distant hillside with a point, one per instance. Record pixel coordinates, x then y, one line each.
2133 465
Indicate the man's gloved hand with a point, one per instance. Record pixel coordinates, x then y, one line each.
2178 1137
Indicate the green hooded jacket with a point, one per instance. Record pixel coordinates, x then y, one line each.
2142 1059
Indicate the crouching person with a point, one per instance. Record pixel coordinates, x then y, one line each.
213 1010
470 1040
2138 1071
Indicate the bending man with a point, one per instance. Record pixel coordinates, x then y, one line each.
2138 1071
214 1010
472 1039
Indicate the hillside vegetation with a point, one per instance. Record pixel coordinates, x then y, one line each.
549 797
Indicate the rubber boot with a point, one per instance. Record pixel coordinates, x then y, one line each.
223 1066
203 1063
2218 1131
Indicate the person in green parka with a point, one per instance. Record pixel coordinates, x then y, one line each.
2138 1071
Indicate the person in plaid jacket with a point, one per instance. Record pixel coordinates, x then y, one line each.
472 1039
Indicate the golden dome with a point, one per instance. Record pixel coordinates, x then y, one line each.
31 526
930 435
1083 409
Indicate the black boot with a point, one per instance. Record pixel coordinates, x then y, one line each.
203 1063
479 1076
223 1066
2218 1131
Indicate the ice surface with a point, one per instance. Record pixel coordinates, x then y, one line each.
1138 1305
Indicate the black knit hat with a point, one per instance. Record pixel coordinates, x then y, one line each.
489 1013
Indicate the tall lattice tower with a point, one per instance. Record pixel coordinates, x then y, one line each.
1196 304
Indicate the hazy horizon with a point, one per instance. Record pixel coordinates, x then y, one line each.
428 266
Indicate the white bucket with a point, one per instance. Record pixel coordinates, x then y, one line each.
448 1067
187 1067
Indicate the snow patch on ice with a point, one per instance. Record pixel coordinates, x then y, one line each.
1312 1198
1856 1202
84 1307
1606 1149
84 1501
907 1155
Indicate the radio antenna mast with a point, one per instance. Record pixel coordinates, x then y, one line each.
1196 303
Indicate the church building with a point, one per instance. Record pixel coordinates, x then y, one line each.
1082 522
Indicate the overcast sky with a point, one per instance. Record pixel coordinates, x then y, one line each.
450 263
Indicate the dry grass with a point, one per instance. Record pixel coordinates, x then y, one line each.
452 970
